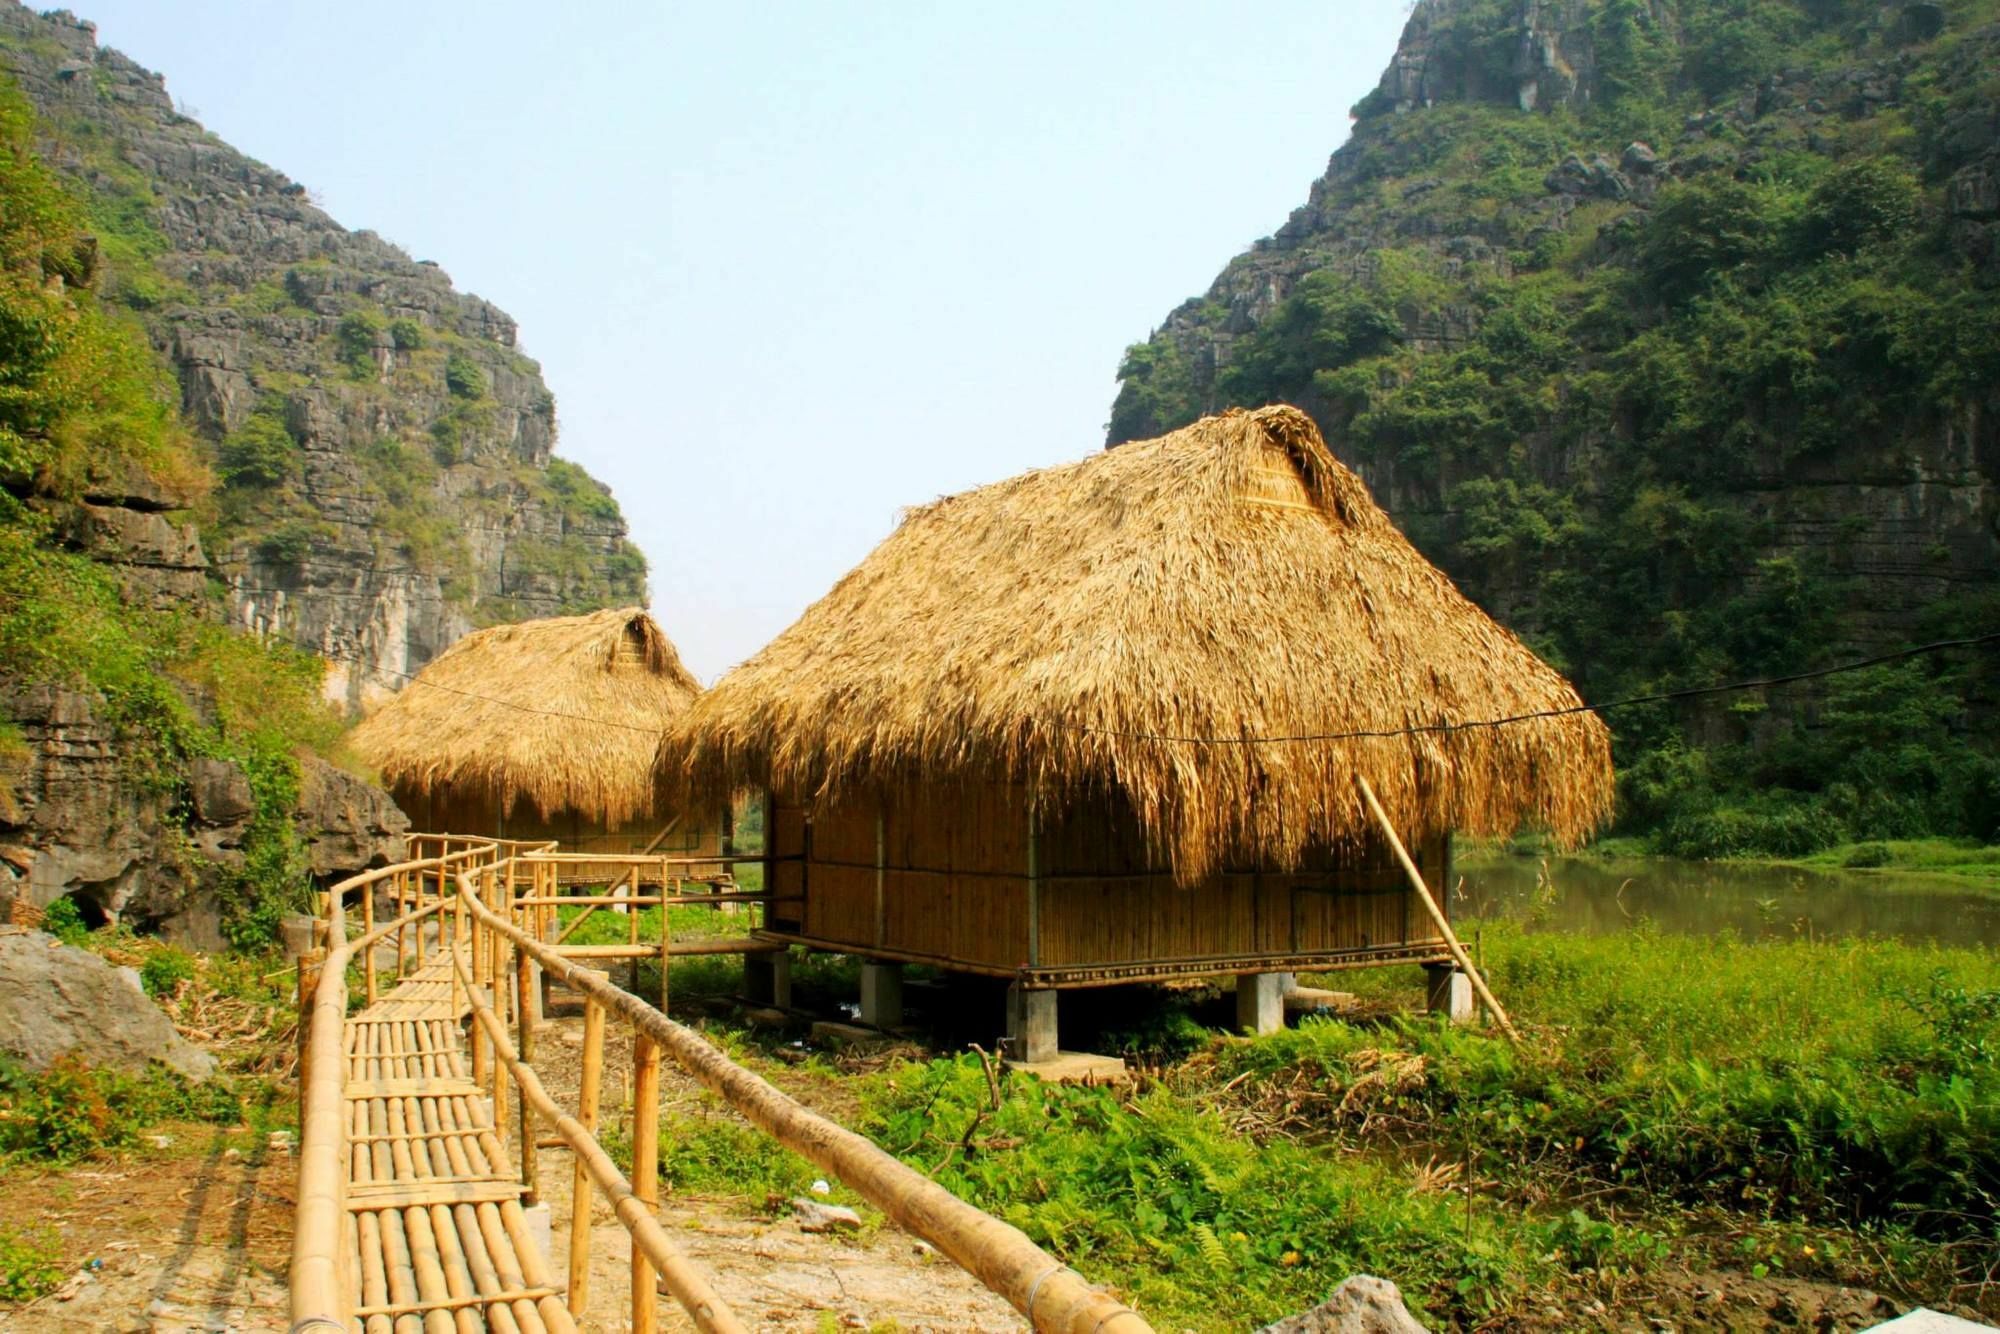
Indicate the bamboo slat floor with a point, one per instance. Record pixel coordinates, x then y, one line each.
440 1242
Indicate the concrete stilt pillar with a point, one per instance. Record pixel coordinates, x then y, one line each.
1031 1025
1448 992
1260 1002
767 979
882 994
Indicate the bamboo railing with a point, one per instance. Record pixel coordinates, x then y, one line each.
493 909
1051 1295
320 1283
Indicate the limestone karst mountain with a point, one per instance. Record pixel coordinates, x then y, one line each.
1668 328
384 447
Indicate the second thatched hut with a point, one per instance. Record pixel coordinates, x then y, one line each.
543 730
1103 723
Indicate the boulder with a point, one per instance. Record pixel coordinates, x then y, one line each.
57 1000
1362 1305
347 825
220 792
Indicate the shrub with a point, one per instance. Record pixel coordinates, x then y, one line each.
30 1264
463 378
71 1111
165 969
359 334
1865 855
406 334
1793 831
261 452
64 920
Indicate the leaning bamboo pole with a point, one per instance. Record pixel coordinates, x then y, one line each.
687 1283
1050 1294
1438 918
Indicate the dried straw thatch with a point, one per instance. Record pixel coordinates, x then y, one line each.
562 714
1135 621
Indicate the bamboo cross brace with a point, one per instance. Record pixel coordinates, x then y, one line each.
1438 918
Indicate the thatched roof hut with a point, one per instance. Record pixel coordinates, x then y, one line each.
1220 625
558 715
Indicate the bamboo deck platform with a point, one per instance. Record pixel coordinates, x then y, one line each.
435 1226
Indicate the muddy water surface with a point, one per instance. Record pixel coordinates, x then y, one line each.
1598 895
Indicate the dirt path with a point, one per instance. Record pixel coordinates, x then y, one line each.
775 1276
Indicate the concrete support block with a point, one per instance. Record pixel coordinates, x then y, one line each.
767 979
882 994
1260 1002
1448 992
1031 1024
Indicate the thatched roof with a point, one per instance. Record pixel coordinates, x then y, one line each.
561 713
1131 621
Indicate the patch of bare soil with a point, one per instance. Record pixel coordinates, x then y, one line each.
192 1235
775 1276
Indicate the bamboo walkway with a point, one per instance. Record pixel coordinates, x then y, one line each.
435 1227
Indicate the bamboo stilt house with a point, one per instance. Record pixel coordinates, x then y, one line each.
1103 722
543 730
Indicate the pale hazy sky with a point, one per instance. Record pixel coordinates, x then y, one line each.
790 268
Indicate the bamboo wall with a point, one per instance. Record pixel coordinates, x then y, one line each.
443 813
944 877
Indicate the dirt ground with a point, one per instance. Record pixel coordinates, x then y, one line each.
191 1234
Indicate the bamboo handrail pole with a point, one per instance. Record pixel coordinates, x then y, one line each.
1438 918
579 1186
1052 1296
687 1284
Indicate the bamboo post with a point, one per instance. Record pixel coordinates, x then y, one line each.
309 970
645 1172
368 928
524 1042
1438 918
579 1187
499 994
402 911
666 944
477 947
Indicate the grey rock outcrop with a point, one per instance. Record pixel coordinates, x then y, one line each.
412 496
57 1000
82 822
1363 1304
347 825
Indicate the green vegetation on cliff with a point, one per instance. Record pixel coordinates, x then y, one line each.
1664 372
85 408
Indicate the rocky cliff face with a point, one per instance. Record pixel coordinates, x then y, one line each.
1506 300
383 445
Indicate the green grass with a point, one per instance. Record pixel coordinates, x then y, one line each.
1964 858
1825 1111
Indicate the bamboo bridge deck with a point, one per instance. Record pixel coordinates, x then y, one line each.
435 1227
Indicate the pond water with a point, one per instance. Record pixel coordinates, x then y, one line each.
1696 898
